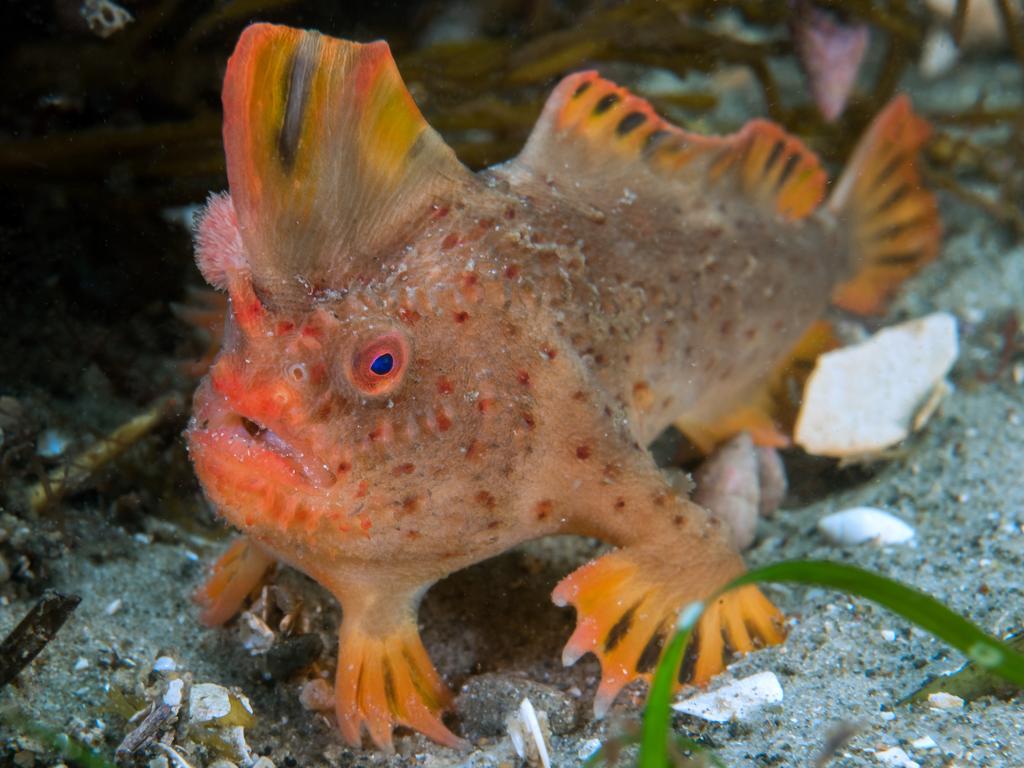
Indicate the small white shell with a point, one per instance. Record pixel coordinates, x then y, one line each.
859 525
896 757
943 700
738 700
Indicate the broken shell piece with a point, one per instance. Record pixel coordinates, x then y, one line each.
530 734
859 525
208 702
862 399
943 700
896 757
738 700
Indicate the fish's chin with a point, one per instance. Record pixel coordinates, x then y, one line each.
252 447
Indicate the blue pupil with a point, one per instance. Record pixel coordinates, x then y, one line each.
382 364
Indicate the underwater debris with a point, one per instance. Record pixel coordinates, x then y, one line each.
74 474
739 700
969 683
864 398
530 734
830 51
156 720
105 17
34 632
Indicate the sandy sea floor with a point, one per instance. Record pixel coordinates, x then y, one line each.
846 662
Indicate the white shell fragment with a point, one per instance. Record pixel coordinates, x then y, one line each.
863 398
860 525
530 732
896 757
943 700
738 700
207 702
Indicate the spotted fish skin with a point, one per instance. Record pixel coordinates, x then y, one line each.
423 367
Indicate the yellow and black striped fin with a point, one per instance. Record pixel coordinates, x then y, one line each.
594 129
329 160
891 221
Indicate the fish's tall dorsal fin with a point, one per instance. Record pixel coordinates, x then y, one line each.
329 160
597 131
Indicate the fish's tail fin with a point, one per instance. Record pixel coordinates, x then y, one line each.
891 221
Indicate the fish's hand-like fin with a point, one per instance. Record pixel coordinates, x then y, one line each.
626 610
891 221
593 133
236 574
329 161
385 678
769 411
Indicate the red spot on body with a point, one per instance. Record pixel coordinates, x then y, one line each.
366 524
485 499
484 404
549 352
543 509
523 377
412 535
529 420
410 504
443 422
583 452
512 271
362 489
408 316
311 331
620 503
473 450
344 467
445 386
450 241
404 469
439 211
461 316
284 326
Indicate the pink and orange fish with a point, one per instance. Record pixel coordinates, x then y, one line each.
423 366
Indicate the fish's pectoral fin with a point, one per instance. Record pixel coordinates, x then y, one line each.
892 221
384 677
769 411
627 604
596 134
236 574
328 157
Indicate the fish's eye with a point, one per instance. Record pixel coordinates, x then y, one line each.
377 366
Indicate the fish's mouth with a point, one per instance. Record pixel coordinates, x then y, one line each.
250 442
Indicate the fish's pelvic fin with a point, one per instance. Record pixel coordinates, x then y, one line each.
385 679
236 574
892 221
593 129
328 157
626 611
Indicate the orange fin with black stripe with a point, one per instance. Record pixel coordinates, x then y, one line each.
328 157
595 131
891 221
